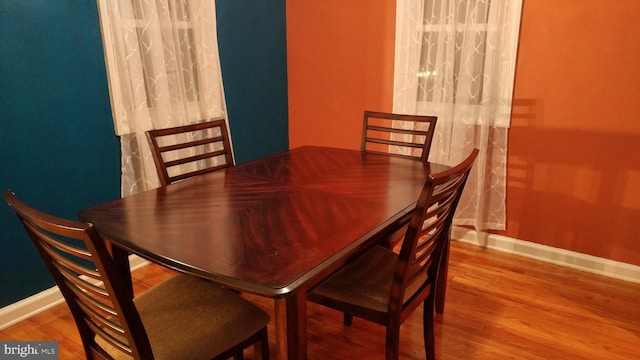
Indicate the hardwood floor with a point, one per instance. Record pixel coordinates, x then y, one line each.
499 306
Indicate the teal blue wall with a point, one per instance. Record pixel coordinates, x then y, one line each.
57 147
253 55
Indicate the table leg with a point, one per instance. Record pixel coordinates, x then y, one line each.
291 326
121 259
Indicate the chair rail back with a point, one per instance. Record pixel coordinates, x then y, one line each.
397 134
419 258
185 151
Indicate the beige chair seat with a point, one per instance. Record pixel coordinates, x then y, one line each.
188 326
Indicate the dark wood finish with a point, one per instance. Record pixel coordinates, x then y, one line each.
414 141
205 147
102 305
274 227
499 306
386 288
381 131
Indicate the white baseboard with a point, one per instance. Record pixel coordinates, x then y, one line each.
26 308
562 257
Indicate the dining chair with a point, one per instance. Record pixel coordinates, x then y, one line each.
398 134
183 317
184 151
385 287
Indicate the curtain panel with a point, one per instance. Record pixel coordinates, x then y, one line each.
455 59
163 70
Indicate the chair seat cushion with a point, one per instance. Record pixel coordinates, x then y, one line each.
189 318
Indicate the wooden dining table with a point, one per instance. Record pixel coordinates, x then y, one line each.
275 227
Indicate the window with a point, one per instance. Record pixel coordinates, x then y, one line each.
163 70
465 30
455 59
175 24
161 55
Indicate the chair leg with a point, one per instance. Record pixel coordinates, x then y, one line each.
429 337
392 346
261 348
347 319
238 356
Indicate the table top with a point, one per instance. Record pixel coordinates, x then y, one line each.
272 225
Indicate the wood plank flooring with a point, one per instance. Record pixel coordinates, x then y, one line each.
499 306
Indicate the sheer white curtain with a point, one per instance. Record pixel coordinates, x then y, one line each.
456 59
163 69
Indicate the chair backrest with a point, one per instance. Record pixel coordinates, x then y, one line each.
93 287
185 151
397 134
417 266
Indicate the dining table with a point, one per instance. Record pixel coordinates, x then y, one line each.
275 227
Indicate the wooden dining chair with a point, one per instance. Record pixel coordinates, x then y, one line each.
400 135
397 134
183 317
385 287
185 151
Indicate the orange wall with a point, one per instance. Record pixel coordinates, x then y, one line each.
340 61
574 153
